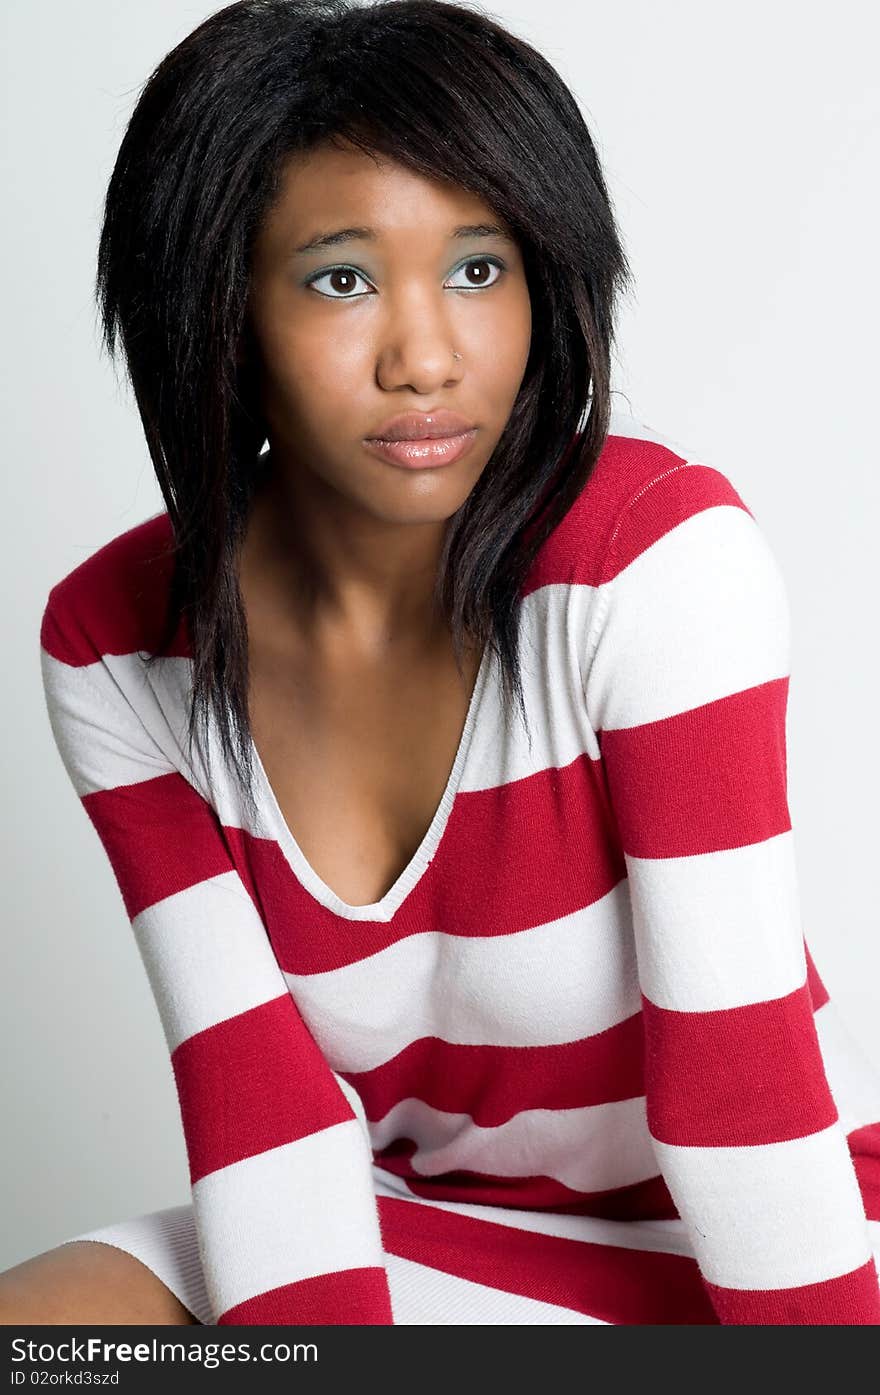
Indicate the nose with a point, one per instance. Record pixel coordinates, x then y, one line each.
418 349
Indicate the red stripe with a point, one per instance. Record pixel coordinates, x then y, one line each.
474 886
710 778
585 548
493 1083
640 1201
736 1076
122 592
864 1147
707 779
478 885
253 1082
161 837
348 1298
608 1282
653 513
852 1299
575 549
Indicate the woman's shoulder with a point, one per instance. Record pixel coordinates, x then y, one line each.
642 484
115 600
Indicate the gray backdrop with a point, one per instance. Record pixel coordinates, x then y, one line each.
741 143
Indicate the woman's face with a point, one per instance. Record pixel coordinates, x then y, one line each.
352 333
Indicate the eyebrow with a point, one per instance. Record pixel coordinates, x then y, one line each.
333 239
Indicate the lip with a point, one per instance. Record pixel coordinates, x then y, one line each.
423 453
438 424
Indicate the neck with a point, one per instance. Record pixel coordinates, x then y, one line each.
326 568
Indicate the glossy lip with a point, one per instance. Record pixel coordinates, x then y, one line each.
425 453
436 424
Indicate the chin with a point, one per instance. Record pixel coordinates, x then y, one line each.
420 513
414 502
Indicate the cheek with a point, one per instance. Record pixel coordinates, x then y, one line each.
333 358
508 362
315 368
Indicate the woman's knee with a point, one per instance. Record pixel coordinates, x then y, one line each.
87 1281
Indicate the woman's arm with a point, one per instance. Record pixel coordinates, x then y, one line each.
686 683
280 1162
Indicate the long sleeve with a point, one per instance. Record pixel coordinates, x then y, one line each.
686 674
278 1150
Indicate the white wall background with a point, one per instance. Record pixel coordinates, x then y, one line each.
741 143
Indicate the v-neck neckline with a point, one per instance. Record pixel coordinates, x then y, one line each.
388 904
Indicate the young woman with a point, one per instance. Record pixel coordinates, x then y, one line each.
439 748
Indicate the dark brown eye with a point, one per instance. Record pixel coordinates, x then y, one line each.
343 280
479 272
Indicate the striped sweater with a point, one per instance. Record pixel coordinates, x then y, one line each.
588 995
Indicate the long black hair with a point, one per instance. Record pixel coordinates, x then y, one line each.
447 91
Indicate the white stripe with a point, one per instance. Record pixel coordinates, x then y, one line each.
592 1149
207 956
290 1213
161 696
852 1076
100 737
357 1106
421 1295
553 620
719 929
477 990
773 1215
662 649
